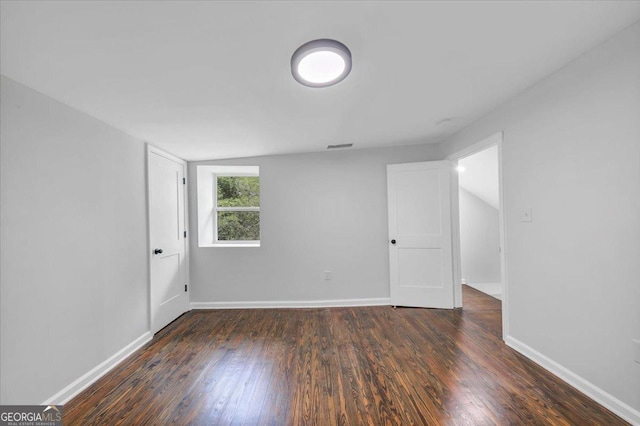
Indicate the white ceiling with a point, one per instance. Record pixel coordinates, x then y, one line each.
480 175
212 79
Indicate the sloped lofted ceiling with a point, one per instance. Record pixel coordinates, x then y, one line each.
208 80
480 175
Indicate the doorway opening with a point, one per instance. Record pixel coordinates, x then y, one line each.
479 252
479 222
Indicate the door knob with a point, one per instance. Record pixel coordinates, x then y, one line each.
157 251
393 242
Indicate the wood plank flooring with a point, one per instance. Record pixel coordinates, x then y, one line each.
342 366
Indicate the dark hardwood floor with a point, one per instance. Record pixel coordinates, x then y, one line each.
366 365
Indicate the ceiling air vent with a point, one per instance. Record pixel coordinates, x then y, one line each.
341 146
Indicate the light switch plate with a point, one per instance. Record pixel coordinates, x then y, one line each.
527 215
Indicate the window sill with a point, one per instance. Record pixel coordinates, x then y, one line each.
231 245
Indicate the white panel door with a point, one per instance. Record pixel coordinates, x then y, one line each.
167 228
420 254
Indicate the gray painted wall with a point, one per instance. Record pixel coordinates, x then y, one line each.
572 153
319 211
479 240
74 242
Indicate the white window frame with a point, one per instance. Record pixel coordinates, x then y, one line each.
208 204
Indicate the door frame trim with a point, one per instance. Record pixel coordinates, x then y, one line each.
496 139
154 150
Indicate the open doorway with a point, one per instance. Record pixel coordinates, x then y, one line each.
479 255
479 201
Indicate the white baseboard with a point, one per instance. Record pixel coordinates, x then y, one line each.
623 410
100 370
292 304
492 289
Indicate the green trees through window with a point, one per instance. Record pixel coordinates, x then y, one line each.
238 208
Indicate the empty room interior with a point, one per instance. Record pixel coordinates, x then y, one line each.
366 212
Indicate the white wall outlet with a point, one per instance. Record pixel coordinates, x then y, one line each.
636 348
527 215
327 275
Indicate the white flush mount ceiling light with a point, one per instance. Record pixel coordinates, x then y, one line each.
321 63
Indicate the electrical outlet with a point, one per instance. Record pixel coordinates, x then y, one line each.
527 215
636 347
327 275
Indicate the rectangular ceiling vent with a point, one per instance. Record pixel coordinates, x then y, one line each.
341 146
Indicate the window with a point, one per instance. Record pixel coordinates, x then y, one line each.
238 208
228 206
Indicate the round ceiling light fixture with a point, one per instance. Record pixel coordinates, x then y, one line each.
321 63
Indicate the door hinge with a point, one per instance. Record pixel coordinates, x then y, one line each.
184 181
185 234
185 287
